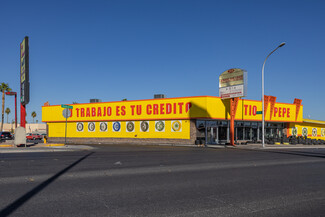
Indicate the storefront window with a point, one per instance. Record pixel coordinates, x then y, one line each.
240 133
200 130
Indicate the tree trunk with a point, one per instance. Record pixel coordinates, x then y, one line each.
3 109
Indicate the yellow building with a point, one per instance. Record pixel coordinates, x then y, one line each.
184 120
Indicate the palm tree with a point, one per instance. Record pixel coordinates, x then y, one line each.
3 88
7 112
33 115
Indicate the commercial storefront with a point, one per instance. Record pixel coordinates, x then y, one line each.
184 120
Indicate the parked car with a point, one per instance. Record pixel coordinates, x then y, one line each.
33 136
6 136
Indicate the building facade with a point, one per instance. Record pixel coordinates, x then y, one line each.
184 120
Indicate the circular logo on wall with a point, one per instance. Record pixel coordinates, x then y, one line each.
314 133
130 126
116 126
177 126
294 131
103 126
80 126
144 126
304 131
323 132
160 126
91 126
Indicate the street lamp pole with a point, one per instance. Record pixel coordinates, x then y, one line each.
263 119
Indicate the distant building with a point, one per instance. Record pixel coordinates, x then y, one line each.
30 128
159 96
95 100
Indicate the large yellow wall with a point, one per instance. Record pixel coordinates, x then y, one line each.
57 129
317 127
172 109
168 110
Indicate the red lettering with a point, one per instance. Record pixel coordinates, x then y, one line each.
82 112
99 112
162 109
275 111
284 112
245 106
104 112
93 111
168 108
250 110
123 110
280 109
77 109
174 108
132 109
149 107
139 109
155 109
109 111
71 112
88 112
180 104
288 112
188 106
254 110
117 110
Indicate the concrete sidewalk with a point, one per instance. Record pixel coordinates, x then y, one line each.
9 147
280 146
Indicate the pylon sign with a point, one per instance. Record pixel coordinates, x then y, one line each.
233 83
24 71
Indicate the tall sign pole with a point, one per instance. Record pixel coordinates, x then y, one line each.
24 79
232 85
66 114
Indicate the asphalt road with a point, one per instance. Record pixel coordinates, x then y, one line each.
163 181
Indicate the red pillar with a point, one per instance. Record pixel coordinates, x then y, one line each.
22 115
233 109
15 110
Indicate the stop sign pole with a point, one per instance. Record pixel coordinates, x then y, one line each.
66 113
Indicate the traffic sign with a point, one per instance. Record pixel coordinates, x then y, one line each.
67 106
66 113
259 112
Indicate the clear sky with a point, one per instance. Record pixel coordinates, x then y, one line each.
116 49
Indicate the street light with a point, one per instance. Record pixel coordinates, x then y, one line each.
282 44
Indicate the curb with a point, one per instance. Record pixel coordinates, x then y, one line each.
6 146
52 145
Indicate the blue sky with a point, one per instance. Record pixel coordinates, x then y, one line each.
133 49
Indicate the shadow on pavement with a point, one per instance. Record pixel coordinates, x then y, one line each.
287 152
20 201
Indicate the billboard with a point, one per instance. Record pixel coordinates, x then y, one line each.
233 83
24 71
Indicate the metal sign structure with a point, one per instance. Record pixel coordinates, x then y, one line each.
233 83
24 71
24 79
66 114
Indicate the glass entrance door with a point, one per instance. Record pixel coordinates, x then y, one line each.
223 134
212 135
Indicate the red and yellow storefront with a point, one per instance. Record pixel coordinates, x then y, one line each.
167 120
